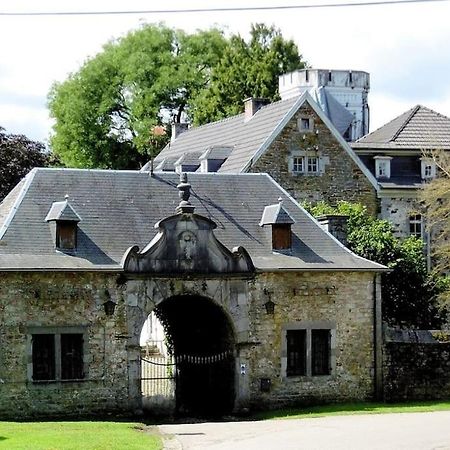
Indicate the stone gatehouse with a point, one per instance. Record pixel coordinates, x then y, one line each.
238 268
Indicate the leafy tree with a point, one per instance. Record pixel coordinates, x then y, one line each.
18 155
105 113
247 69
409 292
436 199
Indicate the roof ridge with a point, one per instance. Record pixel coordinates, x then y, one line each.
407 120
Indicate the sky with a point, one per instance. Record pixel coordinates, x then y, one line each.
404 47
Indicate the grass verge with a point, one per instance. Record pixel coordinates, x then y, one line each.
353 408
78 436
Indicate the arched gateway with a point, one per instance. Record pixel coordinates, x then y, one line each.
198 288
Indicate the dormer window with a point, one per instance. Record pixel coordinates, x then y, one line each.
280 222
428 168
281 236
66 235
213 158
64 221
383 166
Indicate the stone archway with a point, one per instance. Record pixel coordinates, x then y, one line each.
202 341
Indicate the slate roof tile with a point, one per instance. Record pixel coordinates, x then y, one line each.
120 208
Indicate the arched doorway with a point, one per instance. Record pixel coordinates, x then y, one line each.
201 338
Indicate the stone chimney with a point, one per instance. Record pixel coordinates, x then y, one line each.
177 129
336 225
252 105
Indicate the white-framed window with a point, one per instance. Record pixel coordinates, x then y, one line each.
313 164
383 166
308 349
298 164
306 163
428 168
415 225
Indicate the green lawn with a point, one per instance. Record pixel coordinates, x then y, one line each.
77 436
353 408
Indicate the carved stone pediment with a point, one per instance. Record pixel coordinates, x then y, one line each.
186 243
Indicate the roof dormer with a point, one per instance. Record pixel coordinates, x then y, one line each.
188 162
280 222
64 221
212 159
383 166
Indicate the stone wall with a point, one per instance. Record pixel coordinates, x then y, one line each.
341 301
416 366
397 211
62 300
344 300
341 179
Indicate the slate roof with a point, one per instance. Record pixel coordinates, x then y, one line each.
247 139
120 208
62 211
419 128
276 214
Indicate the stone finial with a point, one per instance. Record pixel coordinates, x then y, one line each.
184 193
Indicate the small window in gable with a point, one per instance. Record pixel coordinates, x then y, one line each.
305 124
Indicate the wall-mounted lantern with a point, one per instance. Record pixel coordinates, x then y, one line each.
110 307
270 307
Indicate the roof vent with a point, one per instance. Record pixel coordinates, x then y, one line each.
280 221
64 220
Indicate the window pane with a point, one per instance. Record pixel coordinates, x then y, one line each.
313 164
297 165
320 352
43 355
71 356
296 352
415 225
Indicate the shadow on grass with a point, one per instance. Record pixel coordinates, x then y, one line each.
353 408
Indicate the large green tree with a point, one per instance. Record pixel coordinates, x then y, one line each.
106 112
18 155
410 294
435 196
247 69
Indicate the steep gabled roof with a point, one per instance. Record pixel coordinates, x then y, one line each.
120 208
419 128
249 139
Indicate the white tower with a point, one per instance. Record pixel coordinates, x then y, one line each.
342 94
